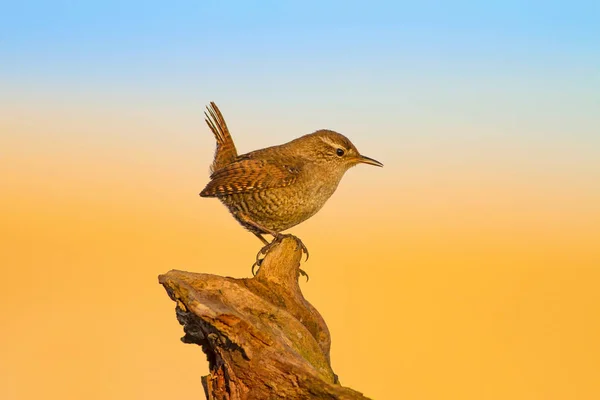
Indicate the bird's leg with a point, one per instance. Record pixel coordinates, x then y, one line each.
258 261
245 219
277 237
262 239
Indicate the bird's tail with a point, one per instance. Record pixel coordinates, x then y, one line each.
225 153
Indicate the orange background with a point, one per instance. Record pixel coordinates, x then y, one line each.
446 274
467 268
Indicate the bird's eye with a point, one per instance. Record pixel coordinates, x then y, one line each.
339 152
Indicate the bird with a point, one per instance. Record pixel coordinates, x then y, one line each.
276 188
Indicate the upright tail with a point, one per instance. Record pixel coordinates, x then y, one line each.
225 153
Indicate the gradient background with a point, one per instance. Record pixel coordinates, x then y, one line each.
467 268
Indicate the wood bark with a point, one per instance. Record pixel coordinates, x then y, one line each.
263 340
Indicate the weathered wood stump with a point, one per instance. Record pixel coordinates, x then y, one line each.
263 340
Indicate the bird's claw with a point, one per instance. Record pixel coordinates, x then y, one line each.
263 251
303 273
299 243
256 264
304 249
277 239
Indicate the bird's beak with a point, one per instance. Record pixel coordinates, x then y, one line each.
370 161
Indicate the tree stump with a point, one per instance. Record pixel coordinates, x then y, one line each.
263 340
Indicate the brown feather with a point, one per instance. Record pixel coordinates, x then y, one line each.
248 175
225 152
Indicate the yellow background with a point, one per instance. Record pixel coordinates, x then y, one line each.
467 268
454 273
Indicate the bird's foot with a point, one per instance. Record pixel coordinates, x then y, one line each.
303 273
301 245
256 264
262 253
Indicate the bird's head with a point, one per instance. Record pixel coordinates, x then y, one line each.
334 150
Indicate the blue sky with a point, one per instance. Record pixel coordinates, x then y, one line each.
54 39
535 65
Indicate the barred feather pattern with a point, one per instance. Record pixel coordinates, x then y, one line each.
250 175
275 188
225 152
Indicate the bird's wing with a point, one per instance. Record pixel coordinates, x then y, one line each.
248 175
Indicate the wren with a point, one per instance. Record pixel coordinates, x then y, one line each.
273 189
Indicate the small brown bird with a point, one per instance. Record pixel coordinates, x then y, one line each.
273 189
